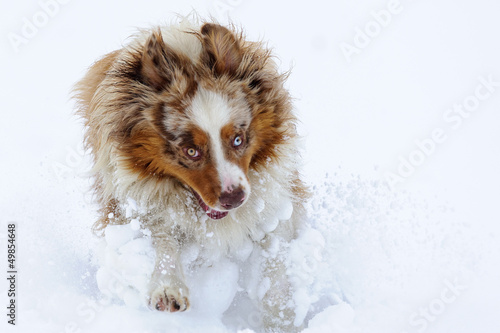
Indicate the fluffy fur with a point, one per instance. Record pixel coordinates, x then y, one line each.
193 122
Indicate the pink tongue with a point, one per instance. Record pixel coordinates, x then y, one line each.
212 213
215 214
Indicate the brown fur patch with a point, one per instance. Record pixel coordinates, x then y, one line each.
222 49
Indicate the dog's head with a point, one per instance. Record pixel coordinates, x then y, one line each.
204 117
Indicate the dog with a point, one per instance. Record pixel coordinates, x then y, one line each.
193 122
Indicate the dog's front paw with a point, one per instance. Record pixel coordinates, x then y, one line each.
171 299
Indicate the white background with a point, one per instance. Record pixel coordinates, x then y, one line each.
359 116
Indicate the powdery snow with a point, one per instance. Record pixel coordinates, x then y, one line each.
366 251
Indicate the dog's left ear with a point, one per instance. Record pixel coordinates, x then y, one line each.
158 62
222 49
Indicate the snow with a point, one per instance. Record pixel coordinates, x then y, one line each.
335 318
420 255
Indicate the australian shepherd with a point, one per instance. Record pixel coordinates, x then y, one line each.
193 123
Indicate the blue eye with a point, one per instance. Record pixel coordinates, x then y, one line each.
238 141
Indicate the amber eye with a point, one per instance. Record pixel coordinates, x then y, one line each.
192 153
238 141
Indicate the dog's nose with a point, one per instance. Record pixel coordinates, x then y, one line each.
232 199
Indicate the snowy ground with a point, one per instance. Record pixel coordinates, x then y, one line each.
406 91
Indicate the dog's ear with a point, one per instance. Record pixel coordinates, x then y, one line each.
157 62
222 51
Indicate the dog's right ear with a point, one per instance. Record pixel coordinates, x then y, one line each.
157 62
222 49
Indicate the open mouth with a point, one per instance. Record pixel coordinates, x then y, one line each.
212 213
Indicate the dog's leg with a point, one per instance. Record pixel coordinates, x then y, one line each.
277 304
109 211
167 290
